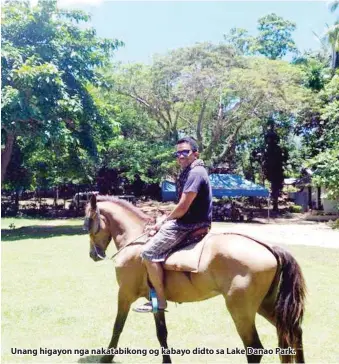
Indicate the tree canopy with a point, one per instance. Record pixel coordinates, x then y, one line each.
69 110
48 73
274 39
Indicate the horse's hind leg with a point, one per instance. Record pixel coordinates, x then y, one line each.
299 358
266 310
244 320
160 324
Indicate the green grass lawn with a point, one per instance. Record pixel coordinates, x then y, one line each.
55 297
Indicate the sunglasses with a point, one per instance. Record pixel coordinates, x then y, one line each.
184 153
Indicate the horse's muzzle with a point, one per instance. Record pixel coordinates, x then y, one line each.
97 254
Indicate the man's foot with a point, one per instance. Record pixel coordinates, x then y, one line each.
147 307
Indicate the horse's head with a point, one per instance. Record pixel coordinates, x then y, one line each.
97 226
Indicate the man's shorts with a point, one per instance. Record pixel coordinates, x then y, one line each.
170 235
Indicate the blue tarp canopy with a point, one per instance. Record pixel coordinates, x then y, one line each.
232 185
223 185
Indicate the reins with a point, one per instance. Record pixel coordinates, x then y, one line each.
125 246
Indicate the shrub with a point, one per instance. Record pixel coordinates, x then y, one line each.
335 224
296 208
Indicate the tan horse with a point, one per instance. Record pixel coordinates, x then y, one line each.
252 277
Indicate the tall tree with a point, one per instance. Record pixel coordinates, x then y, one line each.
334 5
275 36
260 88
183 80
274 158
332 36
48 64
274 39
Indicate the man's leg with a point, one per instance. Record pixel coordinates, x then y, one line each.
167 237
156 276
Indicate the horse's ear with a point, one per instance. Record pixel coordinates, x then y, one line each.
93 201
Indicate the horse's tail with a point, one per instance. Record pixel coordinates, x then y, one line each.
290 306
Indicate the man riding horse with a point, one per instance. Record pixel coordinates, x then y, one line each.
252 276
192 213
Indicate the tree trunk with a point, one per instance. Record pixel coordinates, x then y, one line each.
16 205
199 126
226 154
275 195
335 60
6 154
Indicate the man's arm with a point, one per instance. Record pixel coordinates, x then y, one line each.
180 210
182 207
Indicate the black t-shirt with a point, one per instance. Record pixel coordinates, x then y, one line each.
201 207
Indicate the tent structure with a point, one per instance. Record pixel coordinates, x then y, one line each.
168 191
232 185
223 185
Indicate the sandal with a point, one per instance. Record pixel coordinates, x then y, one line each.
148 308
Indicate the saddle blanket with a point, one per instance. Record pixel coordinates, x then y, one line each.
186 259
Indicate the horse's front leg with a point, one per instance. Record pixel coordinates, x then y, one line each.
160 324
124 305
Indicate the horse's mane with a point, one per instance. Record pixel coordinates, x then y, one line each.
127 205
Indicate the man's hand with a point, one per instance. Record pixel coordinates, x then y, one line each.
153 229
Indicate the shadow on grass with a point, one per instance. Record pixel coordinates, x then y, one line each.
40 232
95 359
254 222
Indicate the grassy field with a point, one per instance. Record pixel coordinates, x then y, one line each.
55 297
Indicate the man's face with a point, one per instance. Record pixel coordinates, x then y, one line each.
185 155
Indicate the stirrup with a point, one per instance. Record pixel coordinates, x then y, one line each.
154 300
151 306
147 308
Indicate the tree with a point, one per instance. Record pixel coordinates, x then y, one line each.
176 89
240 39
334 5
48 67
314 66
19 177
150 160
274 38
318 119
206 92
326 167
332 37
274 160
261 87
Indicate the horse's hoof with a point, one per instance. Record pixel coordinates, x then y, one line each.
167 360
106 359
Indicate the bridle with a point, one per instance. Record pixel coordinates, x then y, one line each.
115 254
88 224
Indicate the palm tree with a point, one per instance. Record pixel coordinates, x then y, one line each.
333 5
332 36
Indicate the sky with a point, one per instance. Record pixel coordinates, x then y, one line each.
151 27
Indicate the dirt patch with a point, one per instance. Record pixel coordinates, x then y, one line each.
291 233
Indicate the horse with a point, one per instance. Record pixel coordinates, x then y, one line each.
252 276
